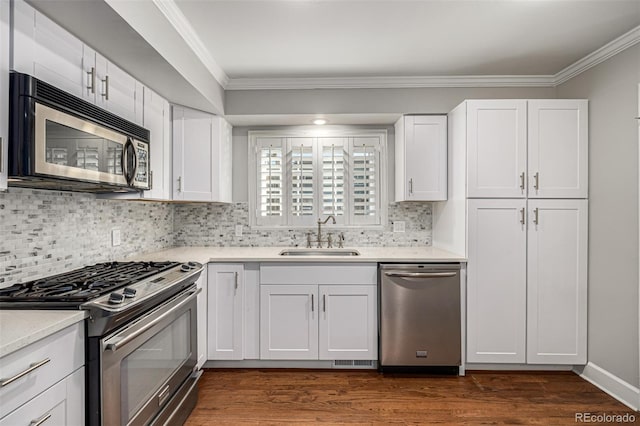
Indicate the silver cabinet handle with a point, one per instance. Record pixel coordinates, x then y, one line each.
31 368
91 80
126 338
312 303
150 180
535 216
522 215
1 157
179 183
401 274
536 178
236 281
522 180
411 186
105 94
324 303
41 420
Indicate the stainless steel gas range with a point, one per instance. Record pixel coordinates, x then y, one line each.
142 334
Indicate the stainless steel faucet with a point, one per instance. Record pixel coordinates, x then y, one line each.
320 223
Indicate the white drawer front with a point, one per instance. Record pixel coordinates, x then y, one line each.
65 351
319 273
61 404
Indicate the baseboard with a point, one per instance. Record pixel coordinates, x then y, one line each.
611 384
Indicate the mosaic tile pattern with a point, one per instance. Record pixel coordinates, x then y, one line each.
214 225
48 232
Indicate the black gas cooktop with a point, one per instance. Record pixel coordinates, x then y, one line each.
71 289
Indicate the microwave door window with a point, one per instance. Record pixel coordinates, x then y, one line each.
67 146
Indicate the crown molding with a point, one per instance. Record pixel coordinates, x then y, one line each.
600 55
176 18
390 82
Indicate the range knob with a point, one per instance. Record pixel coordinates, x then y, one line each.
129 292
116 298
192 264
185 268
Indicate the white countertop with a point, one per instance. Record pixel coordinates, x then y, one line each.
20 328
271 254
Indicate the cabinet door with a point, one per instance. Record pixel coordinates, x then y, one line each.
225 308
557 282
496 148
496 281
46 51
117 91
157 120
4 91
289 322
348 322
192 155
61 404
202 284
425 158
222 160
558 143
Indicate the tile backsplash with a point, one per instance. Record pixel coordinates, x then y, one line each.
43 233
214 225
48 232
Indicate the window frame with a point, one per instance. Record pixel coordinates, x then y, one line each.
284 138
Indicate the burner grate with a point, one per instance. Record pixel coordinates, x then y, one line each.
85 283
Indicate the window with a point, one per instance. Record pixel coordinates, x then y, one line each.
295 179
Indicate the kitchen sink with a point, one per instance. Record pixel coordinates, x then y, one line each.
319 252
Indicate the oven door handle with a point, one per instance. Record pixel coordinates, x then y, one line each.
123 339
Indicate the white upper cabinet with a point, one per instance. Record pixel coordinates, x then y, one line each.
4 92
558 144
45 50
496 148
157 119
557 282
496 281
201 156
421 158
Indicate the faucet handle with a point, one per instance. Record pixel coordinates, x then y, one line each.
329 240
341 240
309 239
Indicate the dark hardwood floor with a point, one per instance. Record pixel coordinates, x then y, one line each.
236 397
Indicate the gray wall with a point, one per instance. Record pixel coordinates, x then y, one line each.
360 101
612 90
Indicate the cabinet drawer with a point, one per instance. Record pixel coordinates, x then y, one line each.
61 404
319 273
65 352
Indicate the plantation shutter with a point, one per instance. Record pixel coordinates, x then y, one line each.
271 196
333 165
302 181
365 182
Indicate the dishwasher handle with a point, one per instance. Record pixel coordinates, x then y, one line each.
404 274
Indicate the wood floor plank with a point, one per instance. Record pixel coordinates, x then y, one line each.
355 397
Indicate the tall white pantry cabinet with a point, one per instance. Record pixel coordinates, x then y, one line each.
522 196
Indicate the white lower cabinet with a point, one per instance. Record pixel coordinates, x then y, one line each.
225 302
52 387
289 322
233 311
527 281
61 404
318 312
202 317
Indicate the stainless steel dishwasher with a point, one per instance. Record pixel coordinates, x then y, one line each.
419 322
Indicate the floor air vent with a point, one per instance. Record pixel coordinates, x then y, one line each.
347 363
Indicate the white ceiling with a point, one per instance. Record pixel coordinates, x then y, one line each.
388 38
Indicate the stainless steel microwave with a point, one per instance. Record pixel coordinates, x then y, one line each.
58 141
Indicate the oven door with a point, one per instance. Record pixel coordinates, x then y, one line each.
146 363
72 148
